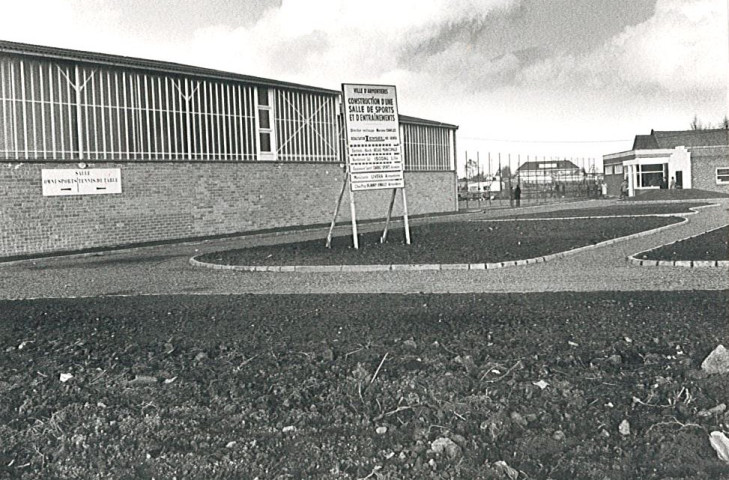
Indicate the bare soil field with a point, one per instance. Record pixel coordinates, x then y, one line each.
562 385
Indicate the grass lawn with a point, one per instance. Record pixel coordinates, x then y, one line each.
447 242
713 245
557 385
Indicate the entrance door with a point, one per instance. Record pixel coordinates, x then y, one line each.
679 179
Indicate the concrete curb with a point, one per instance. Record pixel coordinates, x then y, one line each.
469 266
692 211
679 263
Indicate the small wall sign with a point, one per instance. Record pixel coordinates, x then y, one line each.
87 181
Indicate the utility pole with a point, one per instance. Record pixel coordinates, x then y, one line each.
511 192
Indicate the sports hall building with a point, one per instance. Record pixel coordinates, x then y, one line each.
102 151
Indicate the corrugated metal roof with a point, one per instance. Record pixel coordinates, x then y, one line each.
421 121
45 52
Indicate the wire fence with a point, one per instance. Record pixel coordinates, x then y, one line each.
498 180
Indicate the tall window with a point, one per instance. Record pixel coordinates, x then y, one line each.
266 133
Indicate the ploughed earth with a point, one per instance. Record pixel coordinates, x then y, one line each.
493 386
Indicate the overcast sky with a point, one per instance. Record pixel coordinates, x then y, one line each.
575 78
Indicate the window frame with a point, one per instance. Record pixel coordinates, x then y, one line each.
718 176
271 130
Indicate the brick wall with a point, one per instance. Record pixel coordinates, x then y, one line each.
704 162
175 200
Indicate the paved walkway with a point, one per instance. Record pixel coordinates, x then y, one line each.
166 269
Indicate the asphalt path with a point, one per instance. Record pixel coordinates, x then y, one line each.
165 270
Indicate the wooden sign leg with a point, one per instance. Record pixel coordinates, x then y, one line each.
354 220
336 211
405 216
383 238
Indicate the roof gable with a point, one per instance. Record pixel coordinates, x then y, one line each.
644 142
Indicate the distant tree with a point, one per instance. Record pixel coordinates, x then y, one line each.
471 169
505 171
697 124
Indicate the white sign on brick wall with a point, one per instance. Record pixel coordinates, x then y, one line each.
87 181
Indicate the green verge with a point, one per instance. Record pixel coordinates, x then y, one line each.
447 242
711 246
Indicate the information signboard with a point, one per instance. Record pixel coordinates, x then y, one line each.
86 181
373 137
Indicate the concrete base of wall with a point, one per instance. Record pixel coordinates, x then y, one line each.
162 201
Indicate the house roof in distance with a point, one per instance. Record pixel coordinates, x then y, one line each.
685 138
551 165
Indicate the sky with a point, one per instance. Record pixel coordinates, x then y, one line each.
573 79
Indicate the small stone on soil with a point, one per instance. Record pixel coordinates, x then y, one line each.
717 361
719 409
143 380
615 359
201 356
447 446
518 419
624 428
410 343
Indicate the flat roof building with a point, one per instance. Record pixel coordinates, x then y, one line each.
671 159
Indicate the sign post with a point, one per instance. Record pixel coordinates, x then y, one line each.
374 159
336 212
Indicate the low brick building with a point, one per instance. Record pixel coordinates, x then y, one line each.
101 150
682 159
